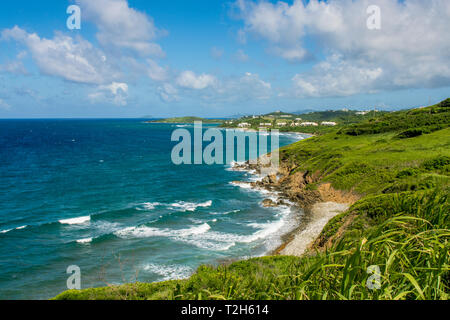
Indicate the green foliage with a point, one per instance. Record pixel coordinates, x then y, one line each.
436 163
408 172
412 123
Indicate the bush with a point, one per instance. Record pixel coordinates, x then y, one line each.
410 133
436 163
408 172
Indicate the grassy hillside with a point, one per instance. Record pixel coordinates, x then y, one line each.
401 224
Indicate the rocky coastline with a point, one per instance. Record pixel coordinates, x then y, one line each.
320 202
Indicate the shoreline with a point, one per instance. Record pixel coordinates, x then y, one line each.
279 132
319 207
301 240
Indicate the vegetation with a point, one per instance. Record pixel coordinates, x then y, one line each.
340 117
186 120
401 224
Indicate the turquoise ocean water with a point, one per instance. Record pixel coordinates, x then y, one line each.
104 195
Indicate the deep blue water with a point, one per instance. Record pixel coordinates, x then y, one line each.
137 215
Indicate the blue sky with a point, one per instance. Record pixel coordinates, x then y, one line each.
218 58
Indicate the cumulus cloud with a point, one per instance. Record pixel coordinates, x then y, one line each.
71 59
337 77
411 50
122 27
190 80
115 93
211 89
241 88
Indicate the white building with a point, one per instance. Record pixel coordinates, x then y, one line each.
306 124
281 124
328 123
265 124
244 125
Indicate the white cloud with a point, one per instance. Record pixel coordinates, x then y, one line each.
336 77
243 88
412 48
189 79
120 26
168 93
116 93
156 72
71 59
4 105
15 67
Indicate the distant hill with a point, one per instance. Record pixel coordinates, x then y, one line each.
186 120
281 113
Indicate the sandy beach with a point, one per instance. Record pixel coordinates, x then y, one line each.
302 238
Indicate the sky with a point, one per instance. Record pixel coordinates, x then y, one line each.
210 58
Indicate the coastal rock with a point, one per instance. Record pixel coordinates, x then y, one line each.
268 203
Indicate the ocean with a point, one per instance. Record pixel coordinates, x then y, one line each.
104 195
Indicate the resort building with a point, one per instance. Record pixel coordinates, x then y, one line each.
306 124
244 125
328 123
281 124
267 124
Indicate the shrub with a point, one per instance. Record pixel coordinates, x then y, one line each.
436 163
408 172
410 133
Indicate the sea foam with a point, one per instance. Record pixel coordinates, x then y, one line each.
85 241
190 206
169 272
78 220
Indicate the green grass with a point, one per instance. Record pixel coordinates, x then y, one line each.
401 224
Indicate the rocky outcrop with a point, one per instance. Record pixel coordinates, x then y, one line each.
303 188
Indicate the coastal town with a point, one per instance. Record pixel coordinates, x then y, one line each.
320 120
